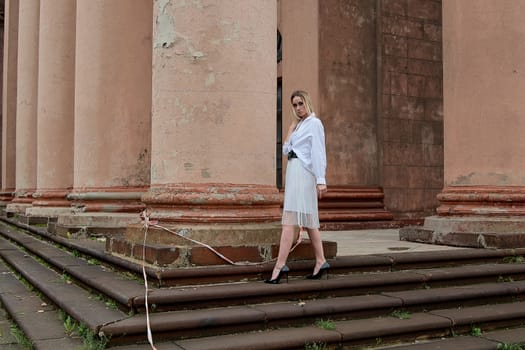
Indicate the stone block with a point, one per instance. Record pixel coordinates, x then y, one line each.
161 255
432 32
416 85
387 83
434 110
32 220
395 45
305 251
424 67
119 246
477 232
204 256
424 50
399 84
395 176
395 64
394 7
424 9
407 107
416 234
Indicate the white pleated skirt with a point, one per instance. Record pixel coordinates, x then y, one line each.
300 196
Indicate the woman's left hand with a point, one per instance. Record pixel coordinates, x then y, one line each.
321 190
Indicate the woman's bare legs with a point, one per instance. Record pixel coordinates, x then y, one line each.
287 238
315 239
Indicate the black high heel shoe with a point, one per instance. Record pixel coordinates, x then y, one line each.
319 274
284 271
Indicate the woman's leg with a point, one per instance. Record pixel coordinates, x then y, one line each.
287 237
315 238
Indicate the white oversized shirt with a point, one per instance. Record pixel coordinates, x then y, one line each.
307 141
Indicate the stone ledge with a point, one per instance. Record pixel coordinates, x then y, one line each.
174 256
463 239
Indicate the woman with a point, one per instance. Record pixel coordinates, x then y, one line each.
305 182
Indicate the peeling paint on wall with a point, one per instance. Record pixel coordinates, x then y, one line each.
167 37
475 178
205 173
210 80
165 33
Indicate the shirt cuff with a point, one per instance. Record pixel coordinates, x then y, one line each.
321 181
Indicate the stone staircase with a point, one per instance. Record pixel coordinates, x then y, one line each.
69 294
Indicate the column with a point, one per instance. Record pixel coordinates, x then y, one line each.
112 112
213 128
483 201
55 123
26 106
9 88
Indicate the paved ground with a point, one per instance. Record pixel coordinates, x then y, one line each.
377 241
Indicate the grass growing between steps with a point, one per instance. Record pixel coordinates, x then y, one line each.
315 346
90 340
21 338
516 259
511 346
401 314
325 324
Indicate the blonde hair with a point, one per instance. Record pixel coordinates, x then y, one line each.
303 95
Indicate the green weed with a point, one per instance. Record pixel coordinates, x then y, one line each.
90 340
69 325
21 338
516 259
315 346
65 278
325 324
401 314
511 346
476 332
93 261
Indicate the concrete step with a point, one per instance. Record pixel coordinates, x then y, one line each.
129 293
164 277
375 333
250 317
38 319
74 300
256 317
439 299
485 341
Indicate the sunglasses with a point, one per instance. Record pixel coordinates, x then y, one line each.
297 104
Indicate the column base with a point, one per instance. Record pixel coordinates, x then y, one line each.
109 200
243 221
253 242
13 209
6 197
47 212
469 231
43 215
86 224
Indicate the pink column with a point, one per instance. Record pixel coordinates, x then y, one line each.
9 100
112 104
112 126
483 201
55 124
213 126
26 108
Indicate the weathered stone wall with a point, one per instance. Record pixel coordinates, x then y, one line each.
348 90
412 106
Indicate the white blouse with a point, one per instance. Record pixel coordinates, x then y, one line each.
307 141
